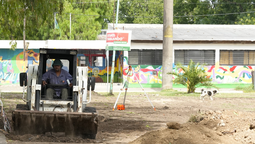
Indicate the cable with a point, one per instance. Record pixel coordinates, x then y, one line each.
203 3
217 14
162 16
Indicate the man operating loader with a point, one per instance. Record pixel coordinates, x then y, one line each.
59 78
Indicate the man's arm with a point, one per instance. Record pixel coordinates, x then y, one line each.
70 78
45 77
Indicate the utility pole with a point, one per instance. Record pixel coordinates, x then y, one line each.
54 20
114 52
167 45
24 38
70 25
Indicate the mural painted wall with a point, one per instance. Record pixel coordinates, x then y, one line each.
12 63
151 76
148 75
230 74
100 72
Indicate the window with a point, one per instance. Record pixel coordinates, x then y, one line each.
83 61
145 57
65 63
201 56
133 57
237 57
97 61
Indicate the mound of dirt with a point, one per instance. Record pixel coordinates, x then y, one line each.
208 127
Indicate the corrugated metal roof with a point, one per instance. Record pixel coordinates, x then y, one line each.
184 32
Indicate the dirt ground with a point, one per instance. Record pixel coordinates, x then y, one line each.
223 120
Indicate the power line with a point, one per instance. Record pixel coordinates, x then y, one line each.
174 16
218 3
202 3
217 14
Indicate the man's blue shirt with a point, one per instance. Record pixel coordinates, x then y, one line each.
51 78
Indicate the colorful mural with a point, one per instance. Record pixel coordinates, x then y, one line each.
151 76
12 64
100 72
230 74
148 75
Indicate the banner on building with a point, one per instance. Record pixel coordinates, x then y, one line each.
118 40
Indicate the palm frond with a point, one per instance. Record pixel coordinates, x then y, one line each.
193 76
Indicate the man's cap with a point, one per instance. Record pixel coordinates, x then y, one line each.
57 62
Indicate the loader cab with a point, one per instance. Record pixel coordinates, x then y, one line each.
67 57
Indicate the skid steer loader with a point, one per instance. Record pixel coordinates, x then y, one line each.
40 115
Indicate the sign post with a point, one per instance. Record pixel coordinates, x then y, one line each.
120 41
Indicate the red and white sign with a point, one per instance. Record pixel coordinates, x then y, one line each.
118 40
114 36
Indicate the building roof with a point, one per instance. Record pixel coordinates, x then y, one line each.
194 32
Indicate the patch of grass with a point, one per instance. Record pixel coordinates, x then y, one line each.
193 119
107 94
196 118
173 93
239 87
245 89
176 93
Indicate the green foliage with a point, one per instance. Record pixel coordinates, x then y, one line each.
88 18
221 11
187 11
13 45
194 76
246 19
12 14
182 11
141 11
246 89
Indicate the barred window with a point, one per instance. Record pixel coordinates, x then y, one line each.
145 57
237 57
201 56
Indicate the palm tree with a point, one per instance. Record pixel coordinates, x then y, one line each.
194 76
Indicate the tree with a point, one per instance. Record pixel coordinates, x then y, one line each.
183 9
88 18
246 19
12 14
141 11
193 76
221 11
82 27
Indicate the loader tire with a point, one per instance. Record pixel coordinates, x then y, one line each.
21 107
92 136
90 109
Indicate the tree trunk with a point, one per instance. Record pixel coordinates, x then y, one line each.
191 89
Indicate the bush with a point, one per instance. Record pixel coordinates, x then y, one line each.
194 76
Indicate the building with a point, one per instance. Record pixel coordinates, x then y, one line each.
229 51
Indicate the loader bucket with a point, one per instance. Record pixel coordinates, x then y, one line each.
40 122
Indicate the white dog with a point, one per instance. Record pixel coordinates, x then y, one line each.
208 93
